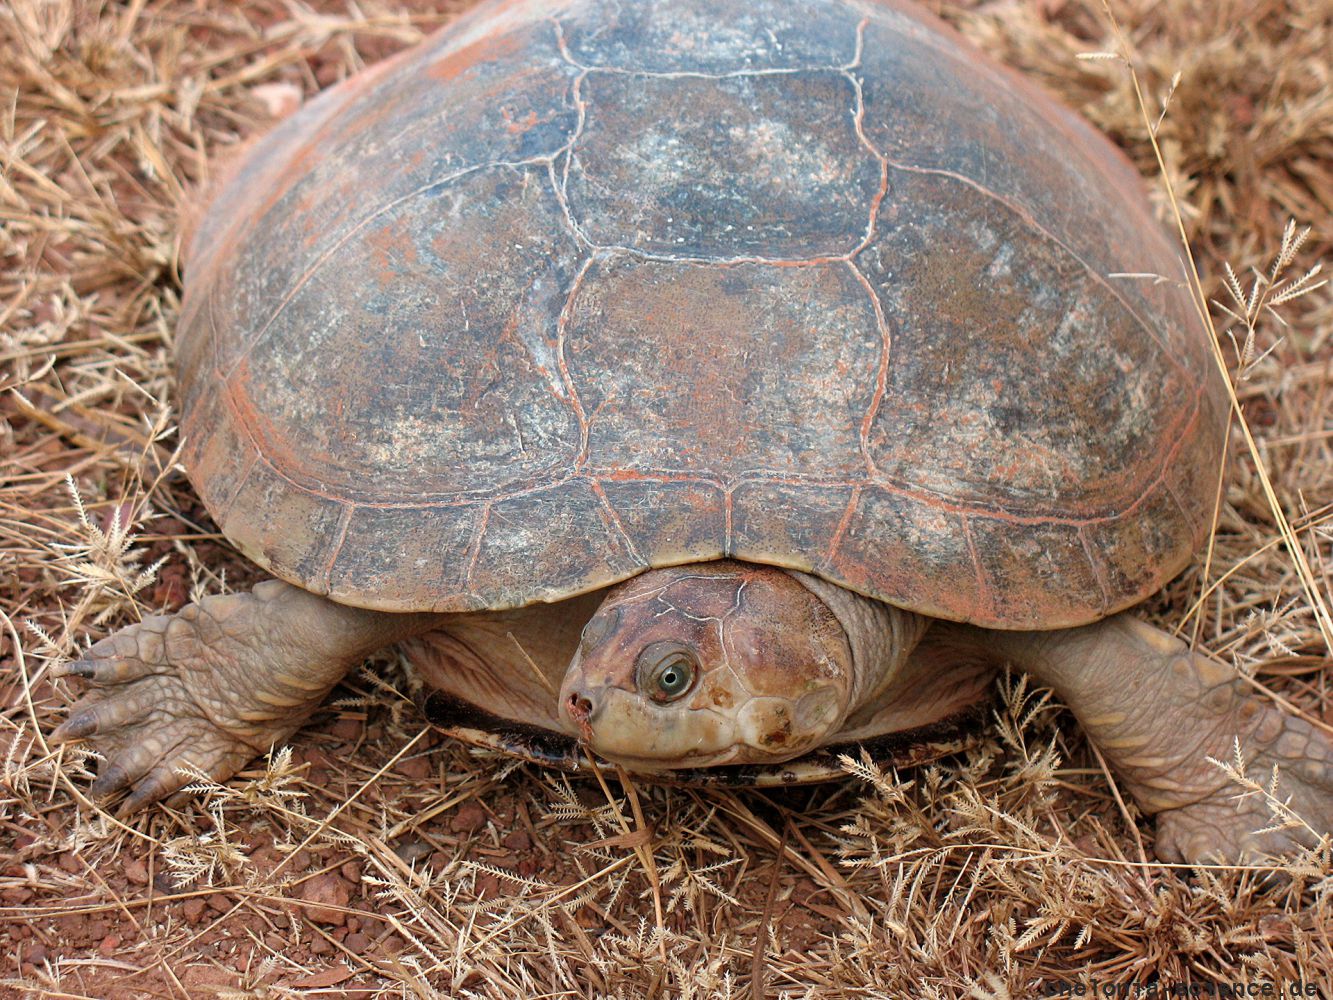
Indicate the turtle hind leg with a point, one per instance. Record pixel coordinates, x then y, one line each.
215 684
1158 712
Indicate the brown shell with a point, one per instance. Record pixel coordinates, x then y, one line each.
576 289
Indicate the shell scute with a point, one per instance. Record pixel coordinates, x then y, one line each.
992 325
463 397
303 195
719 372
768 166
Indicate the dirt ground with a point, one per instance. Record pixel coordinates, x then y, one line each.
373 857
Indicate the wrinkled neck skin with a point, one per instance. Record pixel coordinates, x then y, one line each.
881 636
728 663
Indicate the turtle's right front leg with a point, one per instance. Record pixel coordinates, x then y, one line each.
216 684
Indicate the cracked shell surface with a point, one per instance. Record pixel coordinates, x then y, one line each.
576 289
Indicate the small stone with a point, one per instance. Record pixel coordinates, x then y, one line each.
329 891
418 768
278 99
412 851
518 841
356 943
193 909
347 730
469 818
109 945
351 870
318 946
219 902
587 918
36 954
70 863
136 872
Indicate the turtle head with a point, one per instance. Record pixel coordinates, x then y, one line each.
710 663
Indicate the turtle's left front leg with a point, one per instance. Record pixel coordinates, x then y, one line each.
216 684
1157 712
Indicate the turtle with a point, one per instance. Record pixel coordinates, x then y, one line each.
697 384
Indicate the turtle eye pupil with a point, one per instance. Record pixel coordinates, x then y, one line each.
674 678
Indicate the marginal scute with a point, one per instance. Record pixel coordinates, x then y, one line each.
214 447
1037 575
406 556
791 523
1143 549
670 521
273 524
562 539
901 544
763 166
710 36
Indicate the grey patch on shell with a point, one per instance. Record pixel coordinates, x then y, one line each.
710 36
457 389
331 200
770 167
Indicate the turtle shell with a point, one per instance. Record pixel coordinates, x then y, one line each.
574 289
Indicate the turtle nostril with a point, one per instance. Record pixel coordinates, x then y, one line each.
579 707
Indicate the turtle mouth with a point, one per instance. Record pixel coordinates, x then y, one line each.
691 761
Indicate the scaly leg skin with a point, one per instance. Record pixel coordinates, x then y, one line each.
216 684
1157 711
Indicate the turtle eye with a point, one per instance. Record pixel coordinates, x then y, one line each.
666 672
599 627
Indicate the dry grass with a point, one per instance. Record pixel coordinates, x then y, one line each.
371 858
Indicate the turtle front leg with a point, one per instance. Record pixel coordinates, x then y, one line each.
1158 711
215 684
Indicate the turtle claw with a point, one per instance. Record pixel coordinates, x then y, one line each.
79 668
213 686
76 727
206 689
